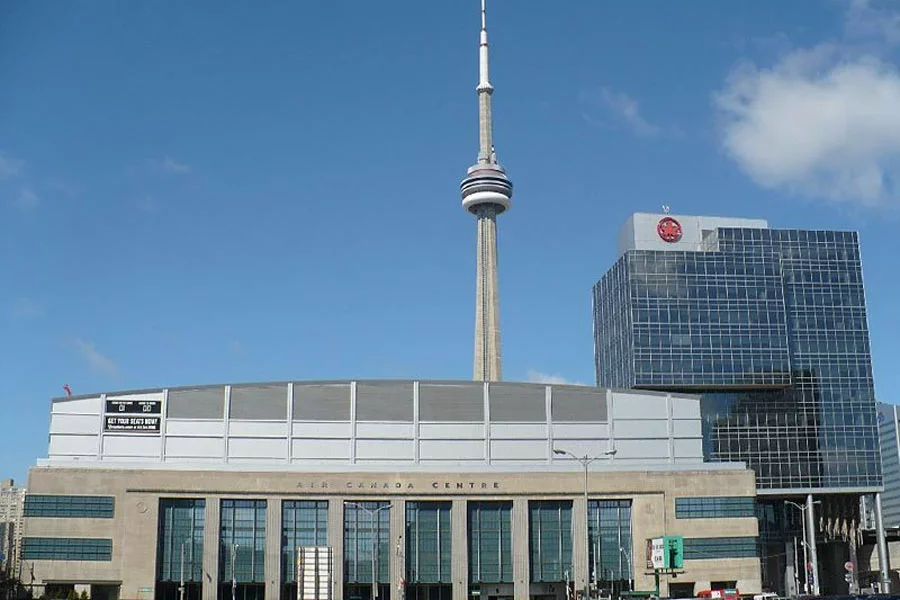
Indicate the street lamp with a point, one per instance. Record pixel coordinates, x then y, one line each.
234 548
628 566
181 582
585 461
373 516
806 546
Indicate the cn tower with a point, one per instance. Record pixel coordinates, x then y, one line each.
486 193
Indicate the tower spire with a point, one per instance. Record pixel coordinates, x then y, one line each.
485 89
486 193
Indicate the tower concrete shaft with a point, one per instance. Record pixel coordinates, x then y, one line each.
487 300
486 192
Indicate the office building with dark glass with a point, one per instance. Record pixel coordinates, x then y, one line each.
769 327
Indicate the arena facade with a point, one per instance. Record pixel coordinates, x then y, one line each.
432 489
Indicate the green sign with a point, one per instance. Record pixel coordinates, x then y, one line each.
674 552
140 590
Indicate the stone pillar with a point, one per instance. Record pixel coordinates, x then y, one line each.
336 541
521 574
273 548
211 549
580 571
459 547
883 565
397 548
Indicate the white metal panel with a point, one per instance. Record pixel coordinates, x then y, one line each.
193 460
195 427
581 430
257 448
642 449
451 450
376 430
257 429
243 460
451 431
79 406
519 449
78 424
80 445
322 429
629 429
517 431
146 396
687 428
580 448
321 449
131 445
635 405
195 447
385 449
685 408
689 448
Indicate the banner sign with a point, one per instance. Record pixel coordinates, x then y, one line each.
133 416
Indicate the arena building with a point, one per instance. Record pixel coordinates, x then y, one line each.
431 489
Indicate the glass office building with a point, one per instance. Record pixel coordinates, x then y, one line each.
768 326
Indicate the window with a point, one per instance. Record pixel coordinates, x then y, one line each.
242 550
550 525
428 552
717 548
490 542
181 527
40 548
609 543
715 507
303 523
366 542
94 507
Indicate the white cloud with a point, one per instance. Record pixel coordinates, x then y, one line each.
539 377
159 166
821 122
626 109
867 20
26 200
10 166
98 361
26 308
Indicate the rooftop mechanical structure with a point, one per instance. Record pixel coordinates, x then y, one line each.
486 193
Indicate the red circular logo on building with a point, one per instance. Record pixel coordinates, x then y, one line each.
669 229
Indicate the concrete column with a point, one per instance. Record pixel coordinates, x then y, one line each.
211 549
579 544
883 565
521 574
811 532
459 546
273 548
336 541
398 548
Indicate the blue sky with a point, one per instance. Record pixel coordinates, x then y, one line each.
197 192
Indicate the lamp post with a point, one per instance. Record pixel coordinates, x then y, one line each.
628 566
234 548
810 565
585 461
375 530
